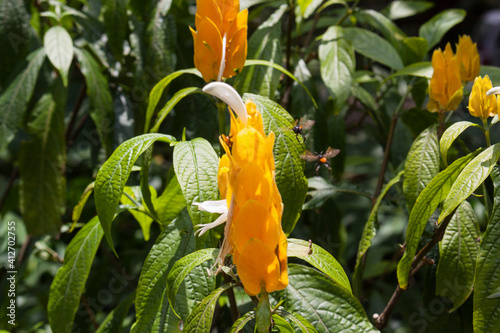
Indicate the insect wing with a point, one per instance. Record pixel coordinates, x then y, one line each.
309 157
331 152
306 124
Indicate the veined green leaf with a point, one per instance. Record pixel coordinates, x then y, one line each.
426 204
133 196
43 186
307 7
374 47
77 211
14 99
183 266
321 301
281 324
290 179
422 164
171 104
69 282
196 165
170 203
58 46
486 315
101 102
369 232
402 9
113 175
382 23
298 320
434 29
450 135
264 44
114 320
457 256
174 242
240 323
157 92
263 314
115 20
336 56
471 177
319 258
200 320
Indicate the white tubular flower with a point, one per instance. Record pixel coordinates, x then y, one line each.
492 91
215 207
228 95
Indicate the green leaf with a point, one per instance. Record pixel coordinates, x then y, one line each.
241 322
402 9
174 242
364 97
336 56
116 23
450 135
263 314
457 256
298 320
101 102
493 72
264 44
157 92
146 190
176 98
308 7
426 204
43 186
486 315
374 47
68 284
183 266
162 43
170 203
413 50
281 324
131 196
324 190
77 210
113 175
58 46
389 30
434 29
420 69
321 301
196 165
319 258
200 320
422 164
114 321
14 99
284 71
290 179
471 177
369 232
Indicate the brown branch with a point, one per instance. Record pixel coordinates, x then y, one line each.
418 262
233 306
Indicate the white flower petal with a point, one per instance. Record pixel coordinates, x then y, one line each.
228 95
205 227
494 90
215 206
223 60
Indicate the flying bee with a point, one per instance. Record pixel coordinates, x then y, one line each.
300 126
321 159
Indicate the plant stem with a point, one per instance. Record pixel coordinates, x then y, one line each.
233 306
221 107
487 132
74 114
417 263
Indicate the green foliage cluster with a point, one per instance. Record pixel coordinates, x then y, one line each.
105 133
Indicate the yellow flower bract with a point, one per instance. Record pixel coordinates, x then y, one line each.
480 105
469 58
220 39
253 233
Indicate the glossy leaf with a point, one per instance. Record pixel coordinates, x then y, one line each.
101 102
424 207
434 29
450 135
391 32
336 56
170 203
241 322
290 179
77 210
457 256
422 164
113 175
68 284
132 196
320 259
369 232
264 44
42 185
322 302
486 314
281 324
420 69
298 320
402 9
374 47
471 177
58 46
196 165
200 320
114 320
15 97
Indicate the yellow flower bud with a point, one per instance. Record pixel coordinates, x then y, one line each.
469 58
445 88
220 39
480 105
